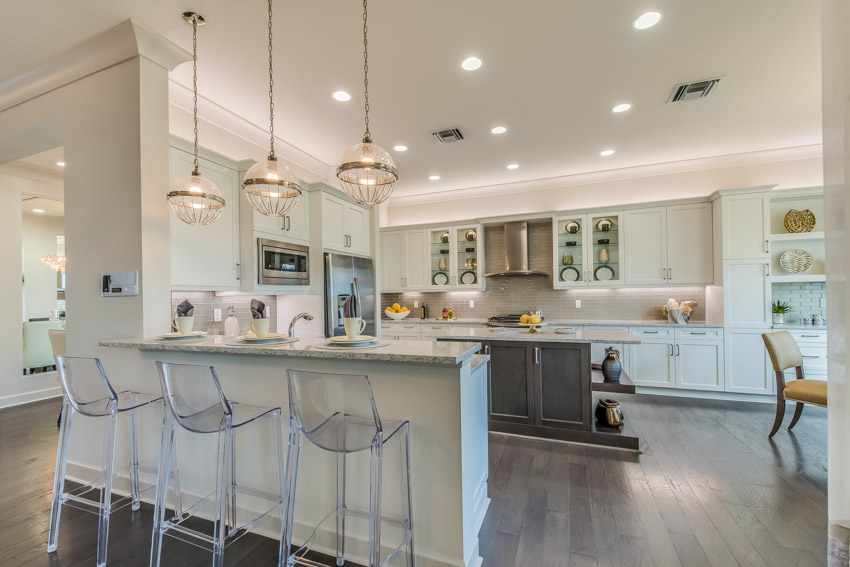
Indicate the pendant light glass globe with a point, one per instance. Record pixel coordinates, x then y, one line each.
196 200
271 188
367 173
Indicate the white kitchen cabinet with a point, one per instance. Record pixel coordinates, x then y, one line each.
206 257
689 358
746 226
699 365
455 257
587 250
689 244
403 260
813 347
568 245
652 364
293 226
748 369
399 330
345 226
746 291
645 246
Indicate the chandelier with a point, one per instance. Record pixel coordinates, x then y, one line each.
271 188
54 262
195 199
367 173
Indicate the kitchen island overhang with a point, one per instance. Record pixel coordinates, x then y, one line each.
441 388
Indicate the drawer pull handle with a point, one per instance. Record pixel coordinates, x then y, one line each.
650 332
694 333
811 336
810 356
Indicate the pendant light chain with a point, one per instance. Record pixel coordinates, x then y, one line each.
367 136
195 86
271 88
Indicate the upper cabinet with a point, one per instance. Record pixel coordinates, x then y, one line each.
455 257
294 226
746 226
206 257
669 245
587 250
403 261
345 226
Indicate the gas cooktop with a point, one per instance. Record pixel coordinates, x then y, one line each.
505 321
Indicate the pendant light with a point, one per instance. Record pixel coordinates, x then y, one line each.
271 188
194 199
367 172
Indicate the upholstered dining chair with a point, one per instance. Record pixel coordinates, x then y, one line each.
784 353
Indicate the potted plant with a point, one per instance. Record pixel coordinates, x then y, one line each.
780 308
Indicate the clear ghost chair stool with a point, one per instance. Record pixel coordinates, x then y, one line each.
195 401
88 392
337 413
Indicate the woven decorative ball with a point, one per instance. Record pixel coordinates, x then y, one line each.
799 221
796 261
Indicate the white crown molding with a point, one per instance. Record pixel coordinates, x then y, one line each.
111 47
651 170
237 138
33 173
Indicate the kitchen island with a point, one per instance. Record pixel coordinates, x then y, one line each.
439 387
540 384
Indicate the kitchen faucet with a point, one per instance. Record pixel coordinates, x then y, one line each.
306 316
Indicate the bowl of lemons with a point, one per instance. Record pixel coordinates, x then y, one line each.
397 312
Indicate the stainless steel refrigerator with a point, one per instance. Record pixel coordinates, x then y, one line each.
345 275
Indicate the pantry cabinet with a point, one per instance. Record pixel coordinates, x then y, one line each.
403 260
746 293
748 367
345 226
206 257
746 226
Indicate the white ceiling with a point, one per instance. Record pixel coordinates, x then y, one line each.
48 160
551 73
52 208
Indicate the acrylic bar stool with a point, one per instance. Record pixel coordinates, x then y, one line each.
195 401
88 392
337 413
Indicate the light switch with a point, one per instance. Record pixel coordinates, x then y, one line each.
267 312
578 303
216 314
472 304
415 304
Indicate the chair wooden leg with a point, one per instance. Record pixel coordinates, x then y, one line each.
797 413
780 414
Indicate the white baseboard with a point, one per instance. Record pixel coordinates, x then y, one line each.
28 397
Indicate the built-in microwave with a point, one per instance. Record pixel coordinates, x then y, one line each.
282 263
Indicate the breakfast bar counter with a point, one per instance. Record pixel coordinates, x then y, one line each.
441 388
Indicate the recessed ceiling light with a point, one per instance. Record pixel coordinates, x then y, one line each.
471 63
606 153
38 210
434 178
499 130
400 148
647 20
513 166
60 163
342 96
621 107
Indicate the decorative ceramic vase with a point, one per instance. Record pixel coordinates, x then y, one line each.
444 238
568 260
611 365
603 256
442 264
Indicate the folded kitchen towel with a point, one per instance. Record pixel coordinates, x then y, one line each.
185 309
258 309
351 307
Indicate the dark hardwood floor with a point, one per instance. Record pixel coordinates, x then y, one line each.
708 489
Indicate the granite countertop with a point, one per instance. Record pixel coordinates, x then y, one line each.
800 327
607 336
617 322
420 352
431 320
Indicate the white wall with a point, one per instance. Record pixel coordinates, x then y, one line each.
39 239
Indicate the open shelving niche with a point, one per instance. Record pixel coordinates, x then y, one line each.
781 240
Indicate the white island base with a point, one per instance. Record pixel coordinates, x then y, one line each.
441 388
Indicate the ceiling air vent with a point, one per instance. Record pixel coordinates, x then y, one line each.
694 90
448 136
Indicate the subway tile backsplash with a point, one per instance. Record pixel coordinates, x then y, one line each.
206 301
806 299
508 295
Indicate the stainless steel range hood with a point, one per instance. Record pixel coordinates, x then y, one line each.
516 252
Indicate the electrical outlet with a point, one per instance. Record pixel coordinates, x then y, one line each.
415 304
578 303
472 304
216 314
267 312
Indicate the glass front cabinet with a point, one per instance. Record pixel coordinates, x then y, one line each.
587 250
456 257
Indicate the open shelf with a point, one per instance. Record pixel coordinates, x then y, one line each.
797 236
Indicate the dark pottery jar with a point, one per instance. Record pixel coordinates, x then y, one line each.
608 412
611 365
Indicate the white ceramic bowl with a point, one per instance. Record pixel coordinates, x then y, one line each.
396 316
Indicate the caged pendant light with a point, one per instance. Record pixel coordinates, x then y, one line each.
367 172
271 188
194 199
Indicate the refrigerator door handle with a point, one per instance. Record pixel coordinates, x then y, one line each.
355 289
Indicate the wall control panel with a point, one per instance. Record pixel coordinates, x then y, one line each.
117 284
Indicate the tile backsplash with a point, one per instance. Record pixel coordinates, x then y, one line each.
806 299
206 301
507 295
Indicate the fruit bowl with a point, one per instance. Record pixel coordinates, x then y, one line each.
397 316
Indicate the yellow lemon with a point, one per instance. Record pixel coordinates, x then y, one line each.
403 309
534 319
524 319
396 307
